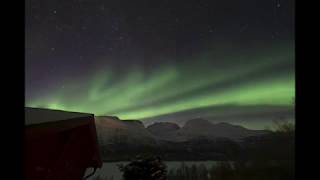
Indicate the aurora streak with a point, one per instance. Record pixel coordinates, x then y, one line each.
170 88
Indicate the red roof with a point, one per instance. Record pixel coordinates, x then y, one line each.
59 145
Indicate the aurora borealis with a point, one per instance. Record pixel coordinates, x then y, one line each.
112 66
175 88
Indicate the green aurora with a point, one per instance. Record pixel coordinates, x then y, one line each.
255 79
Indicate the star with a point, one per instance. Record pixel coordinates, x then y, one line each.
278 5
58 28
215 57
243 28
84 27
36 17
115 28
210 29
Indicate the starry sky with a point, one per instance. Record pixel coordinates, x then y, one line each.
142 59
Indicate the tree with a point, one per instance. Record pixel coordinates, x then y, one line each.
283 126
144 168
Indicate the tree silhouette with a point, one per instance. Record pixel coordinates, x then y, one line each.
283 126
144 168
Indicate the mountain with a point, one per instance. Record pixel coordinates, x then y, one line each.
203 128
200 128
159 128
249 116
112 130
166 131
198 139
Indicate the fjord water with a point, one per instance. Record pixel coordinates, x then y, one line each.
110 169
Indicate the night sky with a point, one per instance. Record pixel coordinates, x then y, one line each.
140 59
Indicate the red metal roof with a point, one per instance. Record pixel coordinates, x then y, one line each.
59 145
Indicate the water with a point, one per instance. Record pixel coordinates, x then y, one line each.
110 169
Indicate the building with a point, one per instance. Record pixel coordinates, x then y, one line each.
59 144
